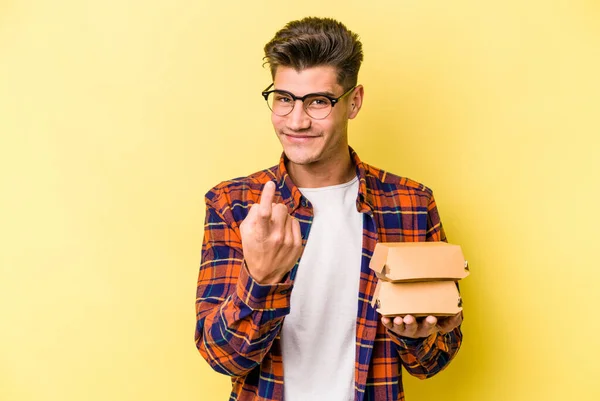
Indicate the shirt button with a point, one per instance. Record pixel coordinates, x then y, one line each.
304 203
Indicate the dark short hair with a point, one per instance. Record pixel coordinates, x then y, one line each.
314 42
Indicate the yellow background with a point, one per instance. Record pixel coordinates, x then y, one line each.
117 116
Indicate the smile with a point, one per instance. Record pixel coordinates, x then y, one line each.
299 138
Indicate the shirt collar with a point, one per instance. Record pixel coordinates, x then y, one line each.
292 197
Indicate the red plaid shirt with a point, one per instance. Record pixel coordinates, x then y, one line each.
239 320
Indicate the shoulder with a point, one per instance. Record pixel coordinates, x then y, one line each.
386 182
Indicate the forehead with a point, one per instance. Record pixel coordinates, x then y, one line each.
310 80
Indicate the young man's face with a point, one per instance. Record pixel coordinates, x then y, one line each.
309 141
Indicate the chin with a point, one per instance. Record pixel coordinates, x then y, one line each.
300 157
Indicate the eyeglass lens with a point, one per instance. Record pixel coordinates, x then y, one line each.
315 106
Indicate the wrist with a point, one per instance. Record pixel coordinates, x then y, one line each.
270 278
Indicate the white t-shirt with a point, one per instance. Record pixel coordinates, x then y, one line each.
318 337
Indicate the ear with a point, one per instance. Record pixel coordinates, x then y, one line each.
355 101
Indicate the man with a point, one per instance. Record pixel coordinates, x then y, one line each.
284 291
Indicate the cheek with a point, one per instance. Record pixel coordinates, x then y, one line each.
277 121
330 127
336 122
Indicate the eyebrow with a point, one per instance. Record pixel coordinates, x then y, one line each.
326 93
331 94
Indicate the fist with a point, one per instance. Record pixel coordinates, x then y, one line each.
271 239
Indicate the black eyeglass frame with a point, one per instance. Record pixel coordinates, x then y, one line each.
333 100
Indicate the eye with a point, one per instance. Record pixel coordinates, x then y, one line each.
318 102
281 98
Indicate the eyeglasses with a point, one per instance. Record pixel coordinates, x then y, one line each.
316 105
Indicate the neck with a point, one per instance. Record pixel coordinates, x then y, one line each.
324 173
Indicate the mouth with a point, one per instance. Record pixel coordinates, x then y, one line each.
299 138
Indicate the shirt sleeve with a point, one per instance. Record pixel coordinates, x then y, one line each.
425 357
237 319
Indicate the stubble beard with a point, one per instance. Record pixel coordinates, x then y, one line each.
303 155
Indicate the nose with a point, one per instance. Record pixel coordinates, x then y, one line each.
298 120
